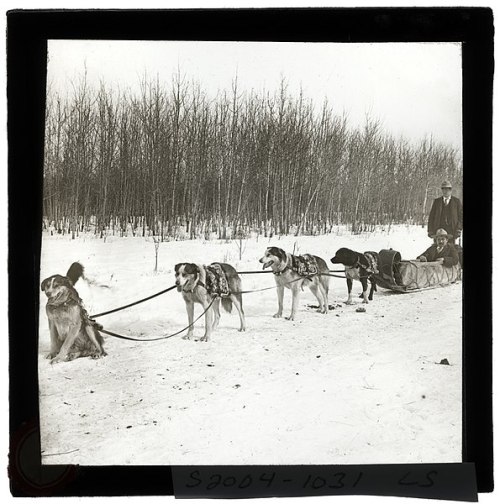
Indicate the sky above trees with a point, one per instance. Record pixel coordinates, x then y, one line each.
413 89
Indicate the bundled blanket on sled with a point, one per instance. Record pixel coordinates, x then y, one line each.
407 276
423 275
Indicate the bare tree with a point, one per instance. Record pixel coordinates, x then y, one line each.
170 157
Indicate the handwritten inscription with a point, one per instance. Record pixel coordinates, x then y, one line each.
330 480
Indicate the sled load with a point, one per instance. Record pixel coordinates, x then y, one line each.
409 276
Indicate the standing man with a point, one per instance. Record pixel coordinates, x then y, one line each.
446 213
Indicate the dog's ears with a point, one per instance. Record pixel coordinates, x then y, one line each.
44 284
344 256
280 253
57 281
191 269
339 257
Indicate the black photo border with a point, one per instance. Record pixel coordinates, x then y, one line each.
27 35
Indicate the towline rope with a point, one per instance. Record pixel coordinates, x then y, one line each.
133 304
269 271
174 286
116 335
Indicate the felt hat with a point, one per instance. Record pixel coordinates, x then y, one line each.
442 232
446 183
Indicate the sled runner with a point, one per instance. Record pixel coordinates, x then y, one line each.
409 276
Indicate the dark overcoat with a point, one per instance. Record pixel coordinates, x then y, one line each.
456 216
449 254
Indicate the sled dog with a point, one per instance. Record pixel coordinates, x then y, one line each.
295 272
72 333
215 283
360 267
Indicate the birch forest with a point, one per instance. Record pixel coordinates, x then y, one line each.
171 162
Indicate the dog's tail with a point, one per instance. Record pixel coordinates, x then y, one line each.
227 304
75 272
323 268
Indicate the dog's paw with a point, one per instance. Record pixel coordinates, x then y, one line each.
277 315
205 338
188 336
365 301
348 302
291 318
51 355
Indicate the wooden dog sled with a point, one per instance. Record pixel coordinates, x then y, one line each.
410 276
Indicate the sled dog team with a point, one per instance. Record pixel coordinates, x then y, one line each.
74 334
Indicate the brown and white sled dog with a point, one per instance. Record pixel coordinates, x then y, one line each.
285 275
72 333
191 281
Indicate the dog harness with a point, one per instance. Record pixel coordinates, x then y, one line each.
359 270
216 282
372 258
304 265
74 299
70 296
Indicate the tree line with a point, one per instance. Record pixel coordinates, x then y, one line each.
169 160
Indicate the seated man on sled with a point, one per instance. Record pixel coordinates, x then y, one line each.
441 251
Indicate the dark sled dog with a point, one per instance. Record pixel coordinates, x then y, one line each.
72 333
286 274
360 267
191 280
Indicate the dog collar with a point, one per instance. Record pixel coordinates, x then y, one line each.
280 271
198 282
52 302
285 268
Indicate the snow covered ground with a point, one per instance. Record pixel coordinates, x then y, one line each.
342 388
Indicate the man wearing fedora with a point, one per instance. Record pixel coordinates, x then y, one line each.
446 213
441 251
